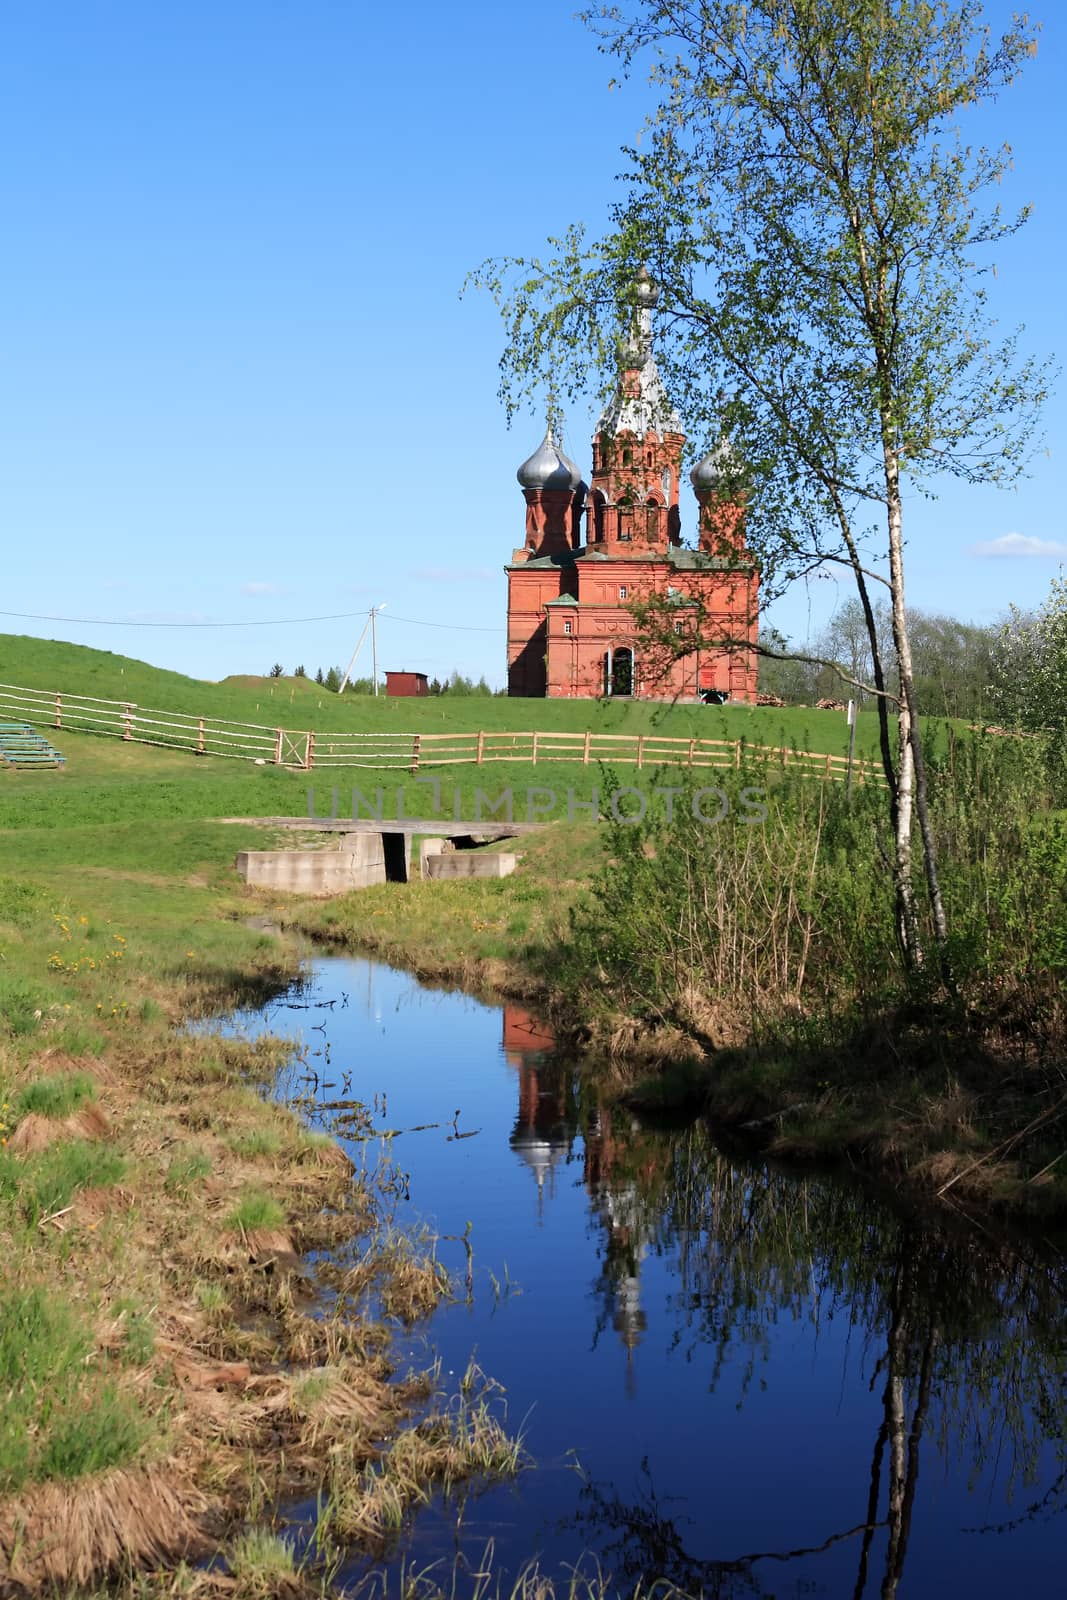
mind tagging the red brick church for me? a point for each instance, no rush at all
(591, 551)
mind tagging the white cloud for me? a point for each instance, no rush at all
(1021, 544)
(260, 588)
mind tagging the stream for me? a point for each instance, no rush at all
(746, 1380)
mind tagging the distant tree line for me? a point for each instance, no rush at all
(330, 680)
(952, 661)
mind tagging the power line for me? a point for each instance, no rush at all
(266, 622)
(453, 627)
(112, 622)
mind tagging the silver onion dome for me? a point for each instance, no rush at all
(646, 292)
(548, 467)
(577, 482)
(719, 463)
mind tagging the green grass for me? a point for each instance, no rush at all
(45, 1183)
(186, 1170)
(260, 1561)
(212, 1297)
(256, 1210)
(300, 703)
(55, 1096)
(264, 1141)
(138, 1341)
(21, 1006)
(61, 1417)
(124, 788)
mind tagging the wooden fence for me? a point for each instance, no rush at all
(307, 750)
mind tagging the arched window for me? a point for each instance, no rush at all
(598, 517)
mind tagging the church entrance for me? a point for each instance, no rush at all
(622, 671)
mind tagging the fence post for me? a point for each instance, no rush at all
(737, 752)
(127, 730)
(481, 745)
(309, 750)
(277, 747)
(585, 751)
(415, 746)
(200, 737)
(535, 748)
(59, 710)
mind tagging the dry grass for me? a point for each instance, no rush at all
(461, 1443)
(402, 1272)
(242, 1390)
(586, 1580)
(69, 1533)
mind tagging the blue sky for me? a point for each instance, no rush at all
(237, 381)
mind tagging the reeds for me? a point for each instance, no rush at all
(455, 1445)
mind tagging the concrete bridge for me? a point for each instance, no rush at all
(370, 851)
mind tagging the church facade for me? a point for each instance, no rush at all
(592, 551)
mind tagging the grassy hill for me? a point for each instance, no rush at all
(299, 703)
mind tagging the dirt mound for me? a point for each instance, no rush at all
(71, 1533)
(92, 1205)
(35, 1132)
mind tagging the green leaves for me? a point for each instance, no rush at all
(1030, 671)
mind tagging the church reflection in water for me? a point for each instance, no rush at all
(550, 1118)
(543, 1135)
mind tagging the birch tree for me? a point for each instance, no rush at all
(820, 231)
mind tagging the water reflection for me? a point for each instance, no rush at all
(964, 1336)
(546, 1122)
(775, 1384)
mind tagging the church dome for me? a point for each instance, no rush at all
(719, 463)
(578, 483)
(548, 467)
(647, 291)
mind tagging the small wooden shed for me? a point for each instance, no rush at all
(406, 683)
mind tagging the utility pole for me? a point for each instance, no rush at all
(359, 645)
(374, 610)
(355, 653)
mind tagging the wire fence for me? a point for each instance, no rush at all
(307, 750)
